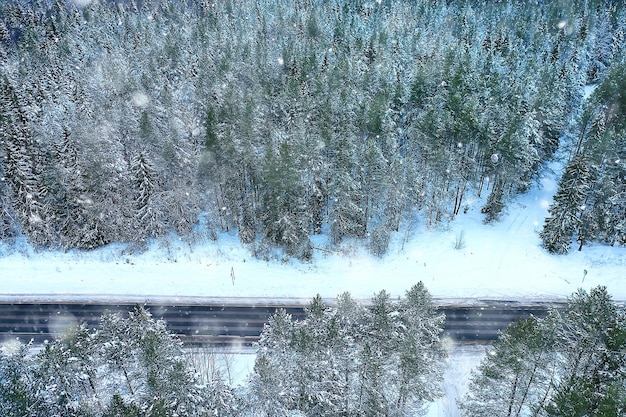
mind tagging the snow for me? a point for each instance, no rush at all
(503, 261)
(462, 360)
(81, 3)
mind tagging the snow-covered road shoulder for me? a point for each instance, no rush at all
(502, 261)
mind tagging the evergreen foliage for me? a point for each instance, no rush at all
(563, 222)
(17, 395)
(383, 359)
(351, 360)
(123, 121)
(569, 364)
(590, 203)
(127, 367)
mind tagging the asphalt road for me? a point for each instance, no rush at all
(227, 323)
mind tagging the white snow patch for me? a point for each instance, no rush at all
(10, 347)
(140, 99)
(588, 90)
(461, 361)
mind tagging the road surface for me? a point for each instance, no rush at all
(235, 323)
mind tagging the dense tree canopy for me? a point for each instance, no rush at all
(128, 366)
(124, 120)
(590, 204)
(385, 360)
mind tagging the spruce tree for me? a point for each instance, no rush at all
(592, 342)
(564, 219)
(351, 360)
(147, 222)
(272, 386)
(283, 209)
(67, 374)
(22, 158)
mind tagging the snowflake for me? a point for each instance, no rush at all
(140, 99)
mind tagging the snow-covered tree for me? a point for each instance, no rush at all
(21, 170)
(367, 113)
(592, 342)
(127, 366)
(145, 364)
(351, 360)
(570, 363)
(17, 393)
(273, 393)
(518, 374)
(564, 219)
(146, 216)
(67, 374)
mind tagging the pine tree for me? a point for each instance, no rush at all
(144, 366)
(67, 373)
(592, 341)
(517, 375)
(347, 215)
(8, 226)
(272, 385)
(350, 360)
(495, 204)
(118, 408)
(283, 205)
(600, 45)
(146, 214)
(421, 351)
(603, 217)
(220, 400)
(568, 364)
(21, 158)
(77, 218)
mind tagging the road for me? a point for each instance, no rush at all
(231, 323)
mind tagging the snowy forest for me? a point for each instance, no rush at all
(384, 359)
(125, 120)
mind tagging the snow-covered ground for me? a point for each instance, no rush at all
(462, 360)
(500, 261)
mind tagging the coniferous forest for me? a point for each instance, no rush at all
(383, 359)
(124, 120)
